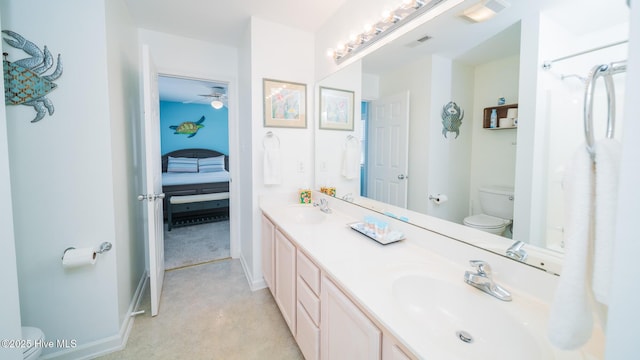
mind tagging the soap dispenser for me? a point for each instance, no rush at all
(494, 119)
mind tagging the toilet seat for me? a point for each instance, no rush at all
(35, 338)
(483, 221)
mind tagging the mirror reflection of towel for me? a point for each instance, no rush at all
(272, 166)
(351, 160)
(571, 315)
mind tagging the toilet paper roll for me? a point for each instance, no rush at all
(440, 198)
(78, 257)
(512, 113)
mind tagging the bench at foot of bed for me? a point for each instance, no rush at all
(190, 203)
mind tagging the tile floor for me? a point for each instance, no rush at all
(208, 312)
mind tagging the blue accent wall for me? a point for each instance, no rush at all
(213, 136)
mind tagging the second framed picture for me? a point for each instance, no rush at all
(336, 109)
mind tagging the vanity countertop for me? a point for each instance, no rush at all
(394, 283)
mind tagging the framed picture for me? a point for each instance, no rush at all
(284, 104)
(336, 109)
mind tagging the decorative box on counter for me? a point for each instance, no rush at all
(304, 196)
(331, 191)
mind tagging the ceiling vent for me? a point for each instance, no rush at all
(420, 41)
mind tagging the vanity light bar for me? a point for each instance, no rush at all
(391, 20)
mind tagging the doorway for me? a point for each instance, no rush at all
(194, 134)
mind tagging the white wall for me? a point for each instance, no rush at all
(282, 53)
(493, 158)
(245, 127)
(9, 301)
(459, 150)
(80, 186)
(624, 317)
(62, 176)
(330, 144)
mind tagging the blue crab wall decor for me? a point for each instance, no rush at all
(452, 116)
(24, 79)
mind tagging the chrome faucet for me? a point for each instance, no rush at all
(483, 280)
(517, 252)
(323, 205)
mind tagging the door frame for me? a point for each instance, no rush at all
(232, 106)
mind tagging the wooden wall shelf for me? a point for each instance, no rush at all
(501, 111)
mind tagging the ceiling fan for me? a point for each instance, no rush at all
(218, 95)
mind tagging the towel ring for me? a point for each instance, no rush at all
(270, 135)
(597, 71)
(351, 139)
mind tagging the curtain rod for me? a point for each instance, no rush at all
(547, 64)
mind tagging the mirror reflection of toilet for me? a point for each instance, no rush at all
(496, 203)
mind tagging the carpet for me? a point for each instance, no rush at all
(196, 244)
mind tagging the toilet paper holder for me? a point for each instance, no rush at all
(438, 199)
(105, 246)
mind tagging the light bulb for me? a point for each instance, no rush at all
(217, 104)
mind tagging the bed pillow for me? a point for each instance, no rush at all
(182, 164)
(211, 164)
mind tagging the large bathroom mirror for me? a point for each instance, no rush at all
(408, 160)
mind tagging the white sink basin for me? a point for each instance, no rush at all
(444, 310)
(305, 214)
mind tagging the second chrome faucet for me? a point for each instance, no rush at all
(483, 280)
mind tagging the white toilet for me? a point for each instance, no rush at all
(35, 338)
(496, 203)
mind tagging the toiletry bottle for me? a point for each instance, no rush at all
(494, 119)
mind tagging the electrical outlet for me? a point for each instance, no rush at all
(323, 166)
(300, 167)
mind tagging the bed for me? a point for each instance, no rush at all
(183, 179)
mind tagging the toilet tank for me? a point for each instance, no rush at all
(497, 201)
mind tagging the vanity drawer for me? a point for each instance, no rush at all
(308, 335)
(309, 272)
(309, 301)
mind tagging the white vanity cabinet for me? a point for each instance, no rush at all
(268, 237)
(392, 351)
(308, 316)
(285, 278)
(325, 322)
(347, 333)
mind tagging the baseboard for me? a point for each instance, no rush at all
(253, 284)
(110, 344)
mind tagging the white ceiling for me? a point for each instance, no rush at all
(224, 21)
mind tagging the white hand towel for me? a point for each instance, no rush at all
(607, 169)
(351, 160)
(272, 167)
(571, 317)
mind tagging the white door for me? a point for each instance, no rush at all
(388, 148)
(153, 196)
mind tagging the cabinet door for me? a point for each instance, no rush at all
(285, 279)
(346, 333)
(268, 232)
